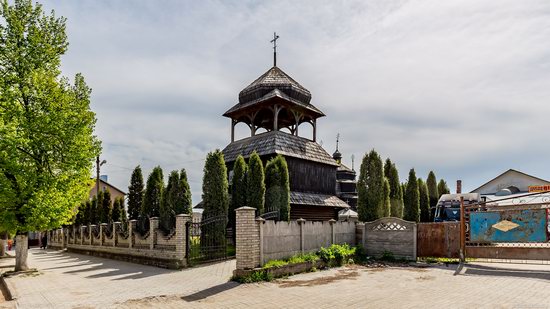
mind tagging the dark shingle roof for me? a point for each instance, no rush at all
(315, 199)
(274, 78)
(273, 94)
(277, 142)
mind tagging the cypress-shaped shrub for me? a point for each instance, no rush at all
(255, 183)
(238, 188)
(424, 200)
(412, 199)
(135, 193)
(370, 202)
(277, 196)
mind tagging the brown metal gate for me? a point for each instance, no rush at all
(439, 239)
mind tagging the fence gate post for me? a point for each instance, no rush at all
(181, 237)
(462, 232)
(247, 245)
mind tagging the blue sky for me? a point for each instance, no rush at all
(458, 87)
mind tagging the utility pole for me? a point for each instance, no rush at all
(98, 166)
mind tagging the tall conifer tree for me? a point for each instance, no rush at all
(371, 187)
(238, 188)
(424, 201)
(412, 199)
(386, 207)
(442, 188)
(135, 193)
(277, 196)
(396, 192)
(433, 194)
(255, 183)
(152, 197)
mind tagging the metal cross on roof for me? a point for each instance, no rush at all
(274, 41)
(337, 140)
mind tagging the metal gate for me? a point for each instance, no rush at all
(514, 228)
(209, 240)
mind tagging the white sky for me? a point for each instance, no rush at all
(458, 87)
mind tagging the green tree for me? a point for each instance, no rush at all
(412, 199)
(424, 201)
(167, 211)
(396, 192)
(123, 214)
(152, 197)
(433, 194)
(255, 183)
(105, 207)
(135, 193)
(238, 189)
(386, 207)
(215, 199)
(93, 210)
(47, 145)
(370, 202)
(277, 196)
(115, 212)
(442, 188)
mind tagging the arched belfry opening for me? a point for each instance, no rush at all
(273, 102)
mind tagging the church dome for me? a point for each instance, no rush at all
(337, 155)
(273, 79)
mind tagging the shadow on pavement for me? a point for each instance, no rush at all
(482, 270)
(210, 291)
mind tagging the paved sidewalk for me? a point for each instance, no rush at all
(76, 281)
(67, 280)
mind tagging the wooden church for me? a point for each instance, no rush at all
(273, 102)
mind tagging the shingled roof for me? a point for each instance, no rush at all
(277, 142)
(315, 199)
(274, 78)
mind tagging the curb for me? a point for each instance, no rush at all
(4, 285)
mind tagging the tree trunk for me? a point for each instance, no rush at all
(21, 252)
(3, 238)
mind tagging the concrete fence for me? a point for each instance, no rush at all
(259, 241)
(112, 241)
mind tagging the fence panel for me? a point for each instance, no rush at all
(441, 239)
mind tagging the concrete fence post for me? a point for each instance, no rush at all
(301, 222)
(260, 222)
(131, 228)
(102, 228)
(153, 226)
(115, 233)
(62, 238)
(360, 234)
(247, 239)
(332, 237)
(91, 234)
(82, 234)
(181, 237)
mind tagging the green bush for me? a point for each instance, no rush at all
(296, 259)
(387, 256)
(257, 276)
(337, 255)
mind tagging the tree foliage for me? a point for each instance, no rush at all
(255, 196)
(175, 200)
(47, 145)
(238, 188)
(433, 194)
(277, 196)
(370, 188)
(104, 209)
(152, 197)
(412, 199)
(424, 201)
(442, 187)
(215, 199)
(396, 192)
(116, 213)
(135, 193)
(386, 207)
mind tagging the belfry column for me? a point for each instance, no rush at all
(314, 130)
(233, 123)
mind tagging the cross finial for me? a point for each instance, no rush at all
(337, 140)
(274, 41)
(352, 162)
